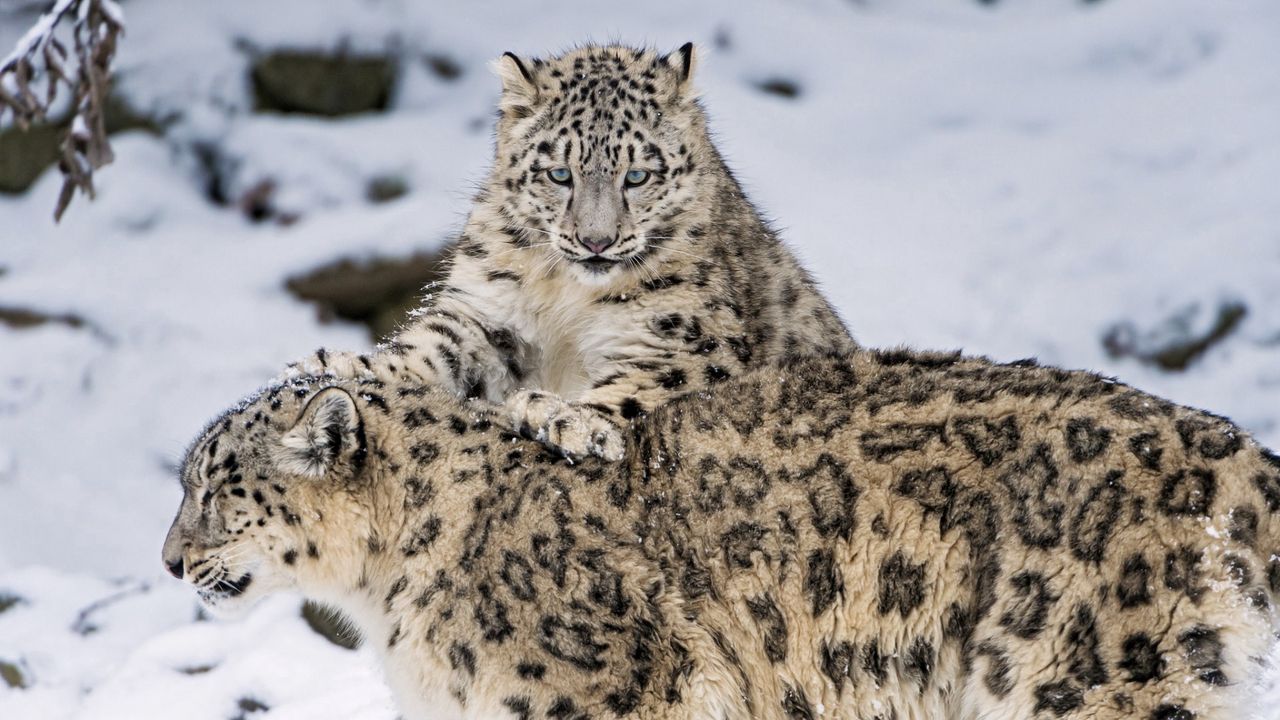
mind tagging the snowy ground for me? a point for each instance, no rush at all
(1012, 181)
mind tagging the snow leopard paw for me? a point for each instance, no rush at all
(573, 430)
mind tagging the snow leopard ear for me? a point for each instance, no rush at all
(682, 61)
(328, 431)
(519, 87)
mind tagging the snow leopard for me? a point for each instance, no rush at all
(885, 534)
(611, 261)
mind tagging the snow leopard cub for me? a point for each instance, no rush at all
(610, 262)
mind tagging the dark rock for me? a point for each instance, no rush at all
(377, 292)
(12, 675)
(8, 600)
(386, 188)
(248, 706)
(23, 318)
(782, 88)
(329, 85)
(1175, 343)
(330, 625)
(443, 67)
(25, 154)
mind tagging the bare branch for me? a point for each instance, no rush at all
(39, 58)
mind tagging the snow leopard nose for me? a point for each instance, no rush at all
(174, 567)
(597, 245)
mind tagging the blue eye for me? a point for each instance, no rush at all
(637, 177)
(560, 176)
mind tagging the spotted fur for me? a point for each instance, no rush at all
(692, 289)
(878, 535)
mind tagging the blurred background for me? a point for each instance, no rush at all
(1092, 183)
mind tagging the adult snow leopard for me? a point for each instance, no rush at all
(882, 535)
(611, 261)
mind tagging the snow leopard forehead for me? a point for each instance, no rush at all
(597, 91)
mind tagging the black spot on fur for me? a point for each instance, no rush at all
(423, 538)
(998, 676)
(773, 628)
(424, 453)
(519, 706)
(672, 379)
(462, 657)
(740, 541)
(1242, 525)
(492, 616)
(1182, 572)
(1086, 439)
(899, 438)
(1203, 649)
(1146, 447)
(1032, 486)
(874, 662)
(1028, 609)
(832, 497)
(1094, 519)
(1134, 587)
(838, 663)
(1172, 712)
(517, 575)
(531, 670)
(919, 662)
(715, 374)
(1187, 492)
(822, 581)
(1269, 486)
(563, 708)
(1212, 440)
(795, 704)
(572, 642)
(631, 408)
(1082, 638)
(1059, 697)
(988, 440)
(900, 585)
(396, 588)
(1140, 658)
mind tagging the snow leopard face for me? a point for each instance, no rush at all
(598, 156)
(237, 536)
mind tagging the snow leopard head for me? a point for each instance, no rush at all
(250, 481)
(599, 154)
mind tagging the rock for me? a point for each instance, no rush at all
(25, 154)
(443, 67)
(385, 188)
(781, 87)
(1176, 342)
(12, 675)
(311, 83)
(23, 318)
(8, 600)
(248, 706)
(330, 625)
(377, 292)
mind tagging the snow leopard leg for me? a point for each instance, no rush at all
(442, 347)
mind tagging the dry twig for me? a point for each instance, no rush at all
(31, 76)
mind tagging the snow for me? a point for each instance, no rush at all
(1012, 180)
